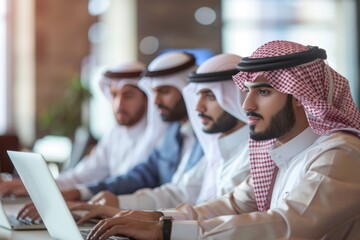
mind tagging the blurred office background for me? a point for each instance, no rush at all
(52, 52)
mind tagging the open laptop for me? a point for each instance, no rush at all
(46, 196)
(10, 222)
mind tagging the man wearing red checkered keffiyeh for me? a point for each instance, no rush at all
(304, 156)
(324, 94)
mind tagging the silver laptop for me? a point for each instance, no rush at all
(46, 196)
(10, 222)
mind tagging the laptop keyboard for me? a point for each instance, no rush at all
(19, 222)
(84, 234)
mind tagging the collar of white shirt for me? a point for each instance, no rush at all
(186, 130)
(285, 152)
(138, 129)
(230, 145)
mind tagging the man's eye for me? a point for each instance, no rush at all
(210, 97)
(263, 91)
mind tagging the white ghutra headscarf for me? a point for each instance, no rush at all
(168, 69)
(215, 74)
(121, 75)
(130, 74)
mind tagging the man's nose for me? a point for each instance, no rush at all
(249, 103)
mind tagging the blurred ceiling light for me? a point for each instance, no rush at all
(149, 45)
(205, 15)
(54, 148)
(98, 7)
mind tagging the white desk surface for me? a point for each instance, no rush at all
(5, 234)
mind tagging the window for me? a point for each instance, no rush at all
(113, 41)
(329, 24)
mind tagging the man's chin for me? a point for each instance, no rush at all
(211, 130)
(205, 130)
(259, 136)
(254, 135)
(164, 117)
(123, 122)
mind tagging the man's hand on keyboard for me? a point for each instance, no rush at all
(123, 226)
(105, 198)
(29, 214)
(93, 211)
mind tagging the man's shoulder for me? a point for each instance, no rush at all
(169, 137)
(173, 127)
(339, 138)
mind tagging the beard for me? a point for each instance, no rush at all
(280, 124)
(177, 113)
(130, 120)
(224, 123)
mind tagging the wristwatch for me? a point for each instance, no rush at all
(166, 222)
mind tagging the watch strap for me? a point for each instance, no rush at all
(166, 222)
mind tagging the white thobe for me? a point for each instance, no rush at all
(316, 196)
(115, 154)
(165, 195)
(233, 168)
(186, 187)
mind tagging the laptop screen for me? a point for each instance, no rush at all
(45, 194)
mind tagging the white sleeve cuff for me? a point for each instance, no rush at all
(177, 215)
(128, 201)
(85, 193)
(184, 230)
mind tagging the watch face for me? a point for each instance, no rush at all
(166, 218)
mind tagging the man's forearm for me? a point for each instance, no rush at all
(70, 195)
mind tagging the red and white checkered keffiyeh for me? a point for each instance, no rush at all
(323, 92)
